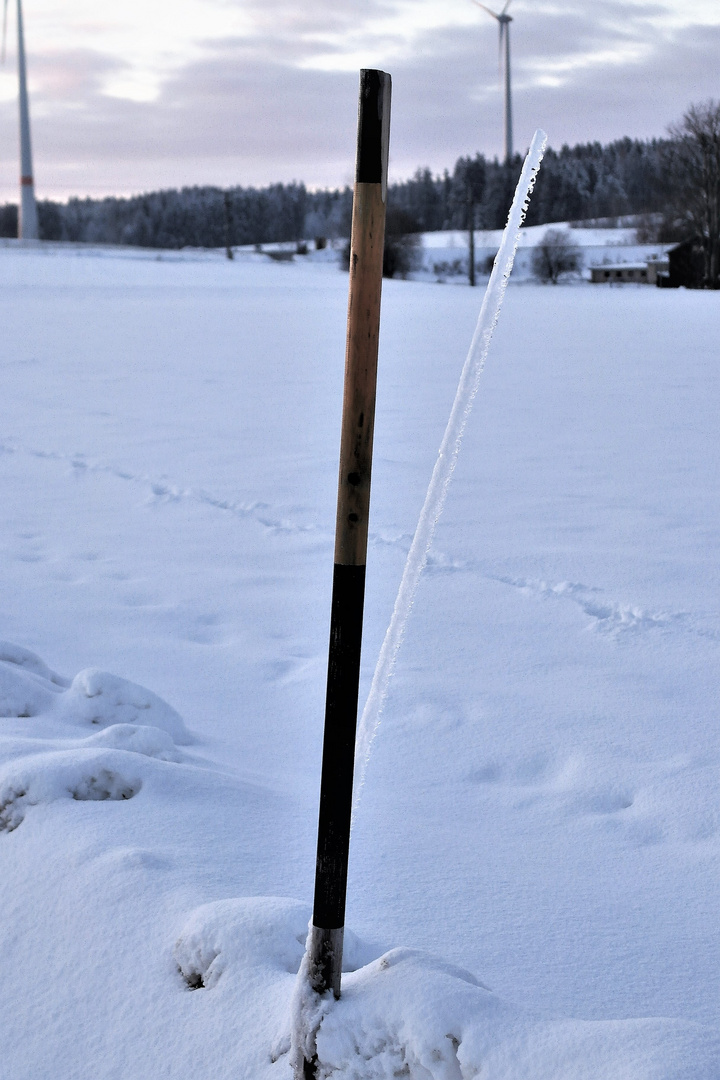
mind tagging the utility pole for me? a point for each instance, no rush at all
(471, 239)
(227, 203)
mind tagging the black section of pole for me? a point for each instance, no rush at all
(370, 162)
(339, 746)
(358, 421)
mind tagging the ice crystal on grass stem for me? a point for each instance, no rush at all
(447, 458)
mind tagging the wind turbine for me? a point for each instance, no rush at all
(27, 218)
(504, 21)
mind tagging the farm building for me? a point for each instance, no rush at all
(686, 266)
(643, 273)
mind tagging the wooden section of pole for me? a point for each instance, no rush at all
(351, 531)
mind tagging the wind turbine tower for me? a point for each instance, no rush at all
(503, 20)
(28, 217)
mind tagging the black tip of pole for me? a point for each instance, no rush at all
(373, 127)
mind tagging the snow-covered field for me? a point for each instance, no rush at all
(541, 814)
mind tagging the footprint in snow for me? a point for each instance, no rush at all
(535, 770)
(609, 617)
(603, 801)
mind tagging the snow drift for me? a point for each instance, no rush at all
(403, 1012)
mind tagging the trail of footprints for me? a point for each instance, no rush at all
(607, 616)
(612, 617)
(162, 490)
(261, 512)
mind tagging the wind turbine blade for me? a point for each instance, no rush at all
(474, 2)
(507, 5)
(503, 31)
(4, 36)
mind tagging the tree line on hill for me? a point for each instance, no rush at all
(580, 182)
(674, 183)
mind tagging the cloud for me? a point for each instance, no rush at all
(277, 101)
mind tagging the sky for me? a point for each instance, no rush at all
(152, 94)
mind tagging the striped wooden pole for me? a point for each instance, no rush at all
(351, 531)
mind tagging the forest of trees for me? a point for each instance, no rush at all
(582, 182)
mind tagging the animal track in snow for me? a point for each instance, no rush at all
(603, 801)
(105, 785)
(609, 617)
(536, 770)
(162, 491)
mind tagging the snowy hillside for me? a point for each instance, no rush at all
(540, 814)
(444, 254)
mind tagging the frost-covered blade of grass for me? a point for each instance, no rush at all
(447, 458)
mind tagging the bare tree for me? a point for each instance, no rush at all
(401, 254)
(555, 255)
(695, 165)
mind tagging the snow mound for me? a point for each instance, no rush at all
(402, 1013)
(29, 688)
(408, 1014)
(27, 685)
(230, 935)
(136, 739)
(96, 697)
(29, 661)
(23, 693)
(82, 775)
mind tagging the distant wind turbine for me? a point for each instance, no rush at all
(27, 218)
(504, 21)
